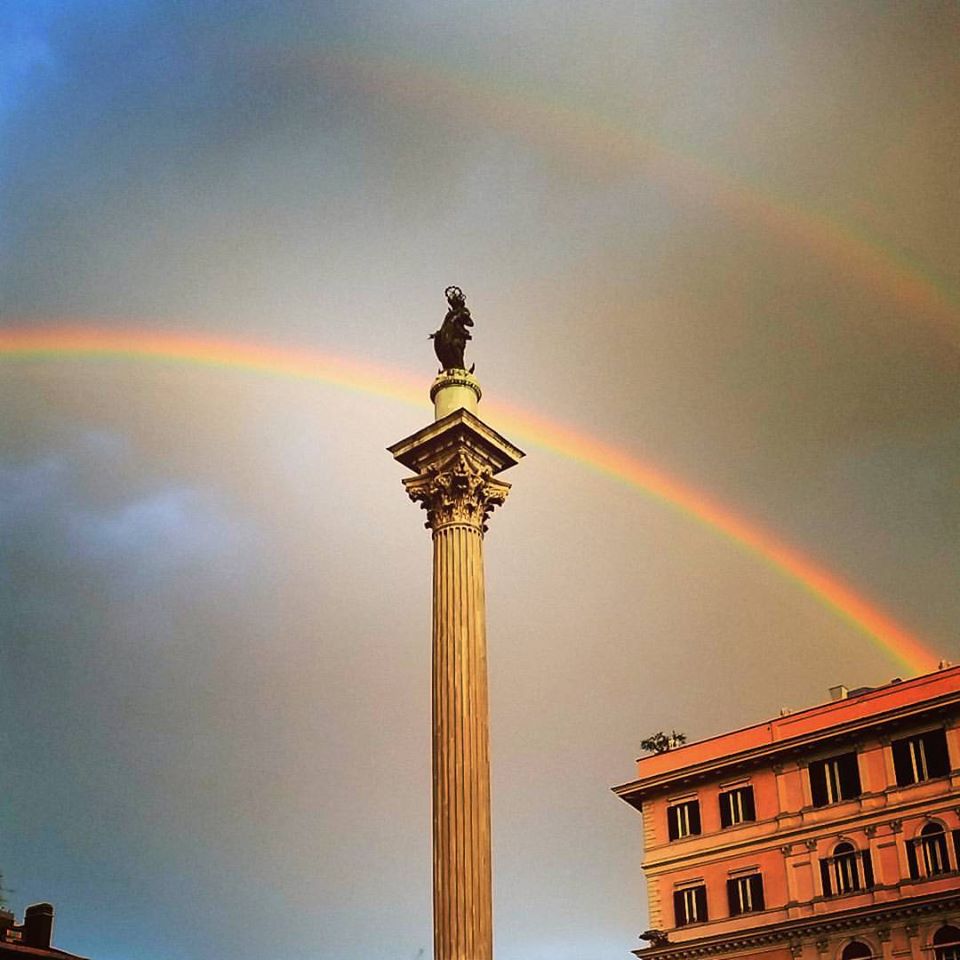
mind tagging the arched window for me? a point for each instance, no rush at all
(856, 950)
(846, 870)
(933, 850)
(946, 944)
(846, 876)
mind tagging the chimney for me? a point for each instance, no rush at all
(838, 693)
(38, 925)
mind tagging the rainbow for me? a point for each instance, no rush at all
(610, 147)
(73, 343)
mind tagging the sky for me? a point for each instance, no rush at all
(718, 238)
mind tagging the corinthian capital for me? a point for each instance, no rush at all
(461, 489)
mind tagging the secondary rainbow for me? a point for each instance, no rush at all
(74, 343)
(613, 147)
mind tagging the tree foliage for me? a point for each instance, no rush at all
(661, 742)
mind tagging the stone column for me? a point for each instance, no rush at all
(455, 460)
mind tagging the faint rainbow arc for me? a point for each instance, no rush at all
(607, 143)
(65, 343)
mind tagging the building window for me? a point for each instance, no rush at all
(835, 779)
(927, 854)
(736, 806)
(683, 819)
(856, 950)
(946, 944)
(745, 894)
(690, 905)
(920, 758)
(846, 870)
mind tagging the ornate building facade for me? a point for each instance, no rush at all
(832, 833)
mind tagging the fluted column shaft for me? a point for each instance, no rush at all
(456, 460)
(463, 926)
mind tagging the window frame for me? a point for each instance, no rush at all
(745, 808)
(829, 782)
(932, 843)
(683, 819)
(859, 870)
(932, 835)
(749, 884)
(948, 947)
(915, 755)
(690, 895)
(846, 869)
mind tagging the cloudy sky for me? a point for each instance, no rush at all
(719, 237)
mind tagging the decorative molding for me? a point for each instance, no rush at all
(822, 944)
(862, 919)
(870, 829)
(862, 727)
(786, 848)
(883, 934)
(461, 489)
(796, 948)
(810, 844)
(895, 826)
(910, 929)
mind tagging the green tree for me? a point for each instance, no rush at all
(661, 742)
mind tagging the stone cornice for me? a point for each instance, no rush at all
(792, 930)
(634, 791)
(460, 430)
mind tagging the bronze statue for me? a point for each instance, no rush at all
(450, 340)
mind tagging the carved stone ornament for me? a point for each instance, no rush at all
(459, 490)
(786, 848)
(810, 844)
(822, 945)
(883, 934)
(870, 829)
(895, 826)
(910, 929)
(656, 938)
(796, 949)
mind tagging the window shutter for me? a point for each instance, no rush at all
(825, 878)
(867, 862)
(726, 809)
(694, 816)
(749, 810)
(756, 884)
(818, 783)
(849, 776)
(673, 824)
(701, 895)
(912, 860)
(732, 899)
(935, 745)
(901, 763)
(679, 914)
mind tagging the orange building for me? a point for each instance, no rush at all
(828, 834)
